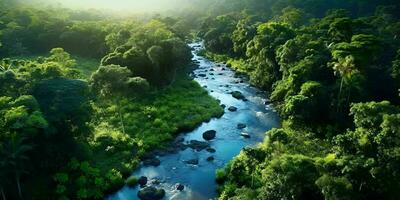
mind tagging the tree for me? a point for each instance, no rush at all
(115, 81)
(341, 30)
(58, 55)
(292, 16)
(14, 155)
(346, 69)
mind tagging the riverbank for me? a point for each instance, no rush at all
(197, 154)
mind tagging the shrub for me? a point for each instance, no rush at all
(131, 181)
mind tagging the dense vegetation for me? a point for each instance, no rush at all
(331, 68)
(71, 129)
(85, 94)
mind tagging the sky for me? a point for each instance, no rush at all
(131, 5)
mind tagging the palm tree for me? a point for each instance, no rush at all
(3, 176)
(15, 156)
(346, 68)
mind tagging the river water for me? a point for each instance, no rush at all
(199, 180)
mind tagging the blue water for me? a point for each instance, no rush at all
(199, 180)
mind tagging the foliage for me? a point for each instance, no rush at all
(325, 72)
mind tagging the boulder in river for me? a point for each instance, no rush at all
(209, 135)
(245, 135)
(211, 158)
(238, 95)
(232, 108)
(211, 70)
(142, 181)
(202, 75)
(179, 187)
(198, 145)
(223, 106)
(211, 150)
(241, 126)
(151, 193)
(193, 161)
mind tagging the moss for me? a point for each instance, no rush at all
(132, 181)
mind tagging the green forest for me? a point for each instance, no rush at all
(86, 93)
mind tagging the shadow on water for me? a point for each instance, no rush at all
(199, 180)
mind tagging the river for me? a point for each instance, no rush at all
(199, 180)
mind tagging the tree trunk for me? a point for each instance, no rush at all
(340, 92)
(348, 96)
(120, 116)
(3, 195)
(17, 179)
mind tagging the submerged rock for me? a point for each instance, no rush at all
(202, 75)
(209, 135)
(241, 126)
(193, 161)
(211, 150)
(211, 158)
(198, 145)
(151, 193)
(232, 108)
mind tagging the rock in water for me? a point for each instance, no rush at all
(194, 161)
(232, 108)
(211, 150)
(151, 193)
(209, 135)
(241, 126)
(211, 158)
(245, 135)
(238, 95)
(142, 181)
(179, 187)
(198, 145)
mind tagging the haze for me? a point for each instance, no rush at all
(131, 5)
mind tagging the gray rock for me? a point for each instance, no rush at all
(194, 161)
(142, 181)
(241, 126)
(179, 187)
(209, 135)
(211, 150)
(232, 108)
(198, 145)
(211, 158)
